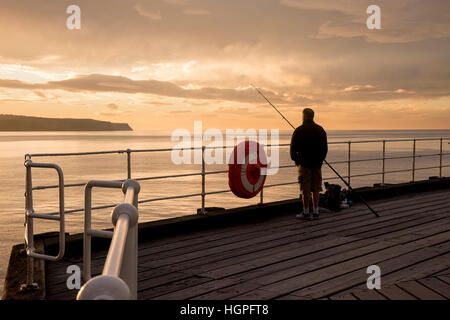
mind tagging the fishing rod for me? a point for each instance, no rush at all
(326, 162)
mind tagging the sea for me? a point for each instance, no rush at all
(80, 169)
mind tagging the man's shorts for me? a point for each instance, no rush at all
(310, 180)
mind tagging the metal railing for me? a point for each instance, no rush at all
(30, 215)
(204, 173)
(118, 280)
(125, 227)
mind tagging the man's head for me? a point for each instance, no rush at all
(308, 114)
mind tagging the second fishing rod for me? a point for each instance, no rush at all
(326, 162)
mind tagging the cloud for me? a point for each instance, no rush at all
(176, 2)
(120, 84)
(150, 14)
(402, 21)
(113, 110)
(112, 106)
(197, 12)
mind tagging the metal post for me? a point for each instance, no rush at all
(384, 162)
(440, 159)
(87, 237)
(130, 256)
(261, 196)
(414, 161)
(203, 180)
(29, 225)
(128, 164)
(349, 162)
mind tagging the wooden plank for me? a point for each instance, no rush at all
(381, 205)
(289, 224)
(419, 270)
(230, 251)
(396, 293)
(446, 279)
(193, 291)
(369, 295)
(437, 285)
(320, 263)
(420, 291)
(170, 287)
(344, 296)
(290, 284)
(293, 298)
(311, 261)
(144, 284)
(229, 292)
(221, 259)
(403, 208)
(328, 261)
(257, 294)
(270, 237)
(445, 272)
(392, 262)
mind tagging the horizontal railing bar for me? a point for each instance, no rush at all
(170, 198)
(266, 186)
(225, 171)
(114, 259)
(35, 155)
(169, 176)
(213, 147)
(101, 233)
(217, 192)
(388, 158)
(55, 186)
(82, 209)
(44, 216)
(388, 140)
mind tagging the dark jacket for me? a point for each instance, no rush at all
(309, 145)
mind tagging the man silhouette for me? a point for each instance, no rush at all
(309, 149)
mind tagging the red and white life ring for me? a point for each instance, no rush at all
(245, 175)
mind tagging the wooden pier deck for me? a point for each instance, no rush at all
(284, 258)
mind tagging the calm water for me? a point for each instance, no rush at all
(14, 145)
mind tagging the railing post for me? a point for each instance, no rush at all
(261, 196)
(130, 257)
(203, 180)
(29, 226)
(384, 162)
(128, 164)
(349, 161)
(414, 161)
(87, 238)
(440, 159)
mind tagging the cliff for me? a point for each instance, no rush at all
(24, 123)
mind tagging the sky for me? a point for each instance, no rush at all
(163, 64)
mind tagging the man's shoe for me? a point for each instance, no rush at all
(315, 216)
(304, 216)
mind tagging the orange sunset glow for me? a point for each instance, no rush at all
(163, 64)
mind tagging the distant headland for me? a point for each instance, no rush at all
(24, 123)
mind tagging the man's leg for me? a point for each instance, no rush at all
(304, 180)
(316, 201)
(306, 198)
(316, 188)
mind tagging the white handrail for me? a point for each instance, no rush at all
(119, 277)
(30, 215)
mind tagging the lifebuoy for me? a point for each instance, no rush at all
(245, 175)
